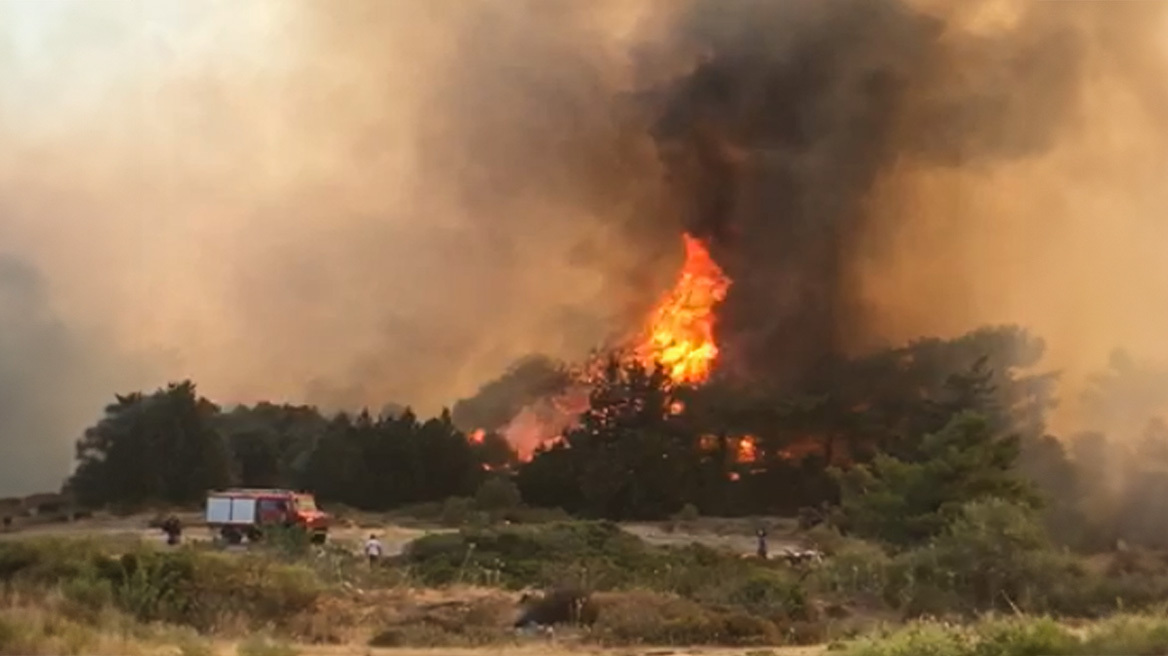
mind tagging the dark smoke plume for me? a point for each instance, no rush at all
(777, 139)
(42, 361)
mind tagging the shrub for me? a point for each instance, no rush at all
(261, 646)
(915, 640)
(688, 513)
(994, 556)
(652, 618)
(770, 594)
(530, 555)
(182, 586)
(290, 541)
(481, 622)
(908, 502)
(855, 569)
(456, 511)
(24, 633)
(1129, 635)
(497, 493)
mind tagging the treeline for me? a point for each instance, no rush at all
(172, 445)
(644, 448)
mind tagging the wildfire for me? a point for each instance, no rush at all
(747, 450)
(680, 333)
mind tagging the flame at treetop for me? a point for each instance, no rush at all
(679, 334)
(681, 329)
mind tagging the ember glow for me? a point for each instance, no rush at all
(680, 334)
(747, 450)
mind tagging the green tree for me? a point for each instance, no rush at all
(384, 462)
(632, 455)
(270, 444)
(497, 493)
(908, 502)
(160, 447)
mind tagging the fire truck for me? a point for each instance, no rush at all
(245, 512)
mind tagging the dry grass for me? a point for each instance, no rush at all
(49, 628)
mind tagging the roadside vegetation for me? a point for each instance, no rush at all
(988, 583)
(946, 516)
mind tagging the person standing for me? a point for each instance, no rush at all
(762, 544)
(373, 550)
(172, 527)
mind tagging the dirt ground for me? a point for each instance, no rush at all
(395, 538)
(732, 535)
(554, 650)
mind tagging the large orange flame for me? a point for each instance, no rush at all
(680, 333)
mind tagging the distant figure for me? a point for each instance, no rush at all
(173, 529)
(373, 550)
(762, 544)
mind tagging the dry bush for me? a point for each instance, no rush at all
(643, 617)
(454, 623)
(45, 628)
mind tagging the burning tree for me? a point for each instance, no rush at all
(630, 456)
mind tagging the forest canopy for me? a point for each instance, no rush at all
(889, 444)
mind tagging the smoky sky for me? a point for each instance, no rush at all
(390, 201)
(795, 111)
(42, 362)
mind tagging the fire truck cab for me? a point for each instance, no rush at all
(245, 512)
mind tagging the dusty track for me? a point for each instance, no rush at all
(728, 535)
(555, 650)
(395, 538)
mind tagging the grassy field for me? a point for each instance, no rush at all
(111, 586)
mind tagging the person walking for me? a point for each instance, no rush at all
(373, 550)
(762, 544)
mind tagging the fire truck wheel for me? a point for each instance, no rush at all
(231, 536)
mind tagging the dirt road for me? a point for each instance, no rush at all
(393, 537)
(556, 650)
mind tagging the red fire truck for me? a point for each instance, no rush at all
(245, 512)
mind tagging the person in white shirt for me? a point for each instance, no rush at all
(373, 549)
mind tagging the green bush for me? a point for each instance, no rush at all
(182, 586)
(688, 513)
(529, 555)
(771, 594)
(290, 541)
(909, 502)
(496, 494)
(855, 569)
(456, 511)
(994, 555)
(1128, 635)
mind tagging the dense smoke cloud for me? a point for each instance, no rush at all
(807, 137)
(42, 361)
(388, 200)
